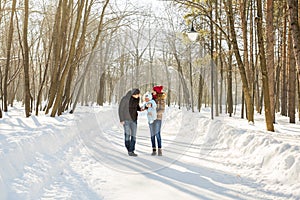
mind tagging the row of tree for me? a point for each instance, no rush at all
(67, 52)
(262, 39)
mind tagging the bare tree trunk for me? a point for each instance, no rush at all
(284, 82)
(57, 49)
(248, 99)
(212, 70)
(221, 82)
(26, 61)
(252, 66)
(191, 79)
(270, 56)
(291, 82)
(111, 86)
(79, 50)
(267, 106)
(200, 92)
(58, 100)
(293, 9)
(91, 57)
(259, 93)
(8, 55)
(100, 98)
(61, 48)
(214, 38)
(104, 75)
(166, 64)
(236, 91)
(243, 105)
(298, 99)
(222, 61)
(39, 96)
(182, 84)
(243, 14)
(229, 75)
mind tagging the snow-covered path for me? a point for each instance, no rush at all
(86, 159)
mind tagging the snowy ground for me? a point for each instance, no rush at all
(82, 156)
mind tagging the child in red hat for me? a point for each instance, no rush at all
(159, 96)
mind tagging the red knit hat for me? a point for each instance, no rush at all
(158, 88)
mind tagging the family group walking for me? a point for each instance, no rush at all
(154, 103)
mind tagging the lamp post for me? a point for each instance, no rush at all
(193, 36)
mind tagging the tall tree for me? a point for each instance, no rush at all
(27, 94)
(270, 55)
(244, 26)
(241, 66)
(229, 74)
(59, 37)
(265, 80)
(8, 55)
(72, 51)
(291, 81)
(78, 54)
(253, 79)
(92, 54)
(293, 14)
(284, 83)
(215, 48)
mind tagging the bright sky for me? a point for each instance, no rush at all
(157, 5)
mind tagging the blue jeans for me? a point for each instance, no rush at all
(130, 128)
(155, 132)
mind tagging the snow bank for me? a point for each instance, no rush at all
(32, 151)
(266, 156)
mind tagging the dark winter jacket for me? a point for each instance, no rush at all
(128, 107)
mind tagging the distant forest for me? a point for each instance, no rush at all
(57, 54)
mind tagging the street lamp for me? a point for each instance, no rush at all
(193, 36)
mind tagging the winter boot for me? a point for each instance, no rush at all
(132, 154)
(153, 152)
(159, 152)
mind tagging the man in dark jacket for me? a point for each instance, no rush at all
(128, 115)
